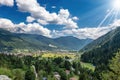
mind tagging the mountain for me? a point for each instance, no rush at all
(102, 50)
(72, 43)
(12, 41)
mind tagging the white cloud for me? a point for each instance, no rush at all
(6, 23)
(75, 18)
(31, 28)
(36, 28)
(64, 13)
(116, 23)
(43, 22)
(84, 33)
(7, 2)
(43, 16)
(30, 19)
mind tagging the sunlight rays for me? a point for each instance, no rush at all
(109, 13)
(111, 16)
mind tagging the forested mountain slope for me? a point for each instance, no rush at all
(102, 49)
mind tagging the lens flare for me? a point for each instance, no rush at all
(116, 4)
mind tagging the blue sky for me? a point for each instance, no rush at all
(83, 9)
(62, 17)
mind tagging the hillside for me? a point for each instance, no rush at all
(11, 41)
(72, 43)
(103, 49)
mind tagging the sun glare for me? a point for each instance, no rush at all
(116, 4)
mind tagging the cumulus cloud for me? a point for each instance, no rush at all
(30, 19)
(43, 22)
(36, 28)
(6, 23)
(44, 17)
(75, 18)
(83, 33)
(7, 2)
(116, 23)
(31, 28)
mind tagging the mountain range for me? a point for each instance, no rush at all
(10, 41)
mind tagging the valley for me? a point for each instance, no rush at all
(44, 65)
(93, 62)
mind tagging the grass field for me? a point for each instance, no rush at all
(88, 65)
(55, 55)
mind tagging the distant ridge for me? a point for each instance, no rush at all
(72, 43)
(11, 41)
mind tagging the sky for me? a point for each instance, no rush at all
(55, 18)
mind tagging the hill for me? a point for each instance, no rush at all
(10, 41)
(102, 50)
(72, 43)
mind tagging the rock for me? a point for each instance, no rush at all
(4, 77)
